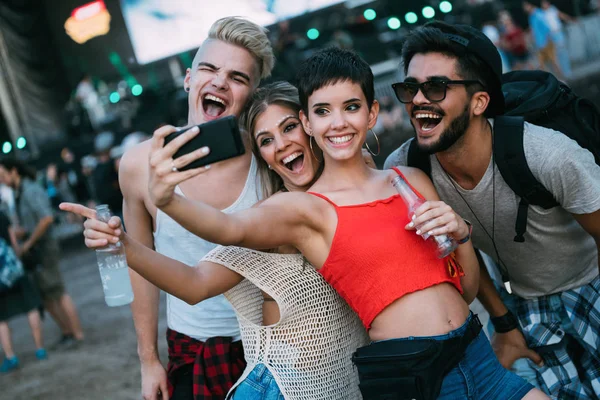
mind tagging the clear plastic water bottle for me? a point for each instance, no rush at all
(444, 243)
(112, 264)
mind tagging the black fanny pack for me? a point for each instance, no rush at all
(410, 369)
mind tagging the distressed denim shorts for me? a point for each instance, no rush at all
(479, 375)
(258, 385)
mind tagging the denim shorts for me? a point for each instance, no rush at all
(479, 375)
(258, 385)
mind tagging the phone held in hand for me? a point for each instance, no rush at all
(221, 136)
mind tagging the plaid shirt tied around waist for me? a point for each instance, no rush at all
(218, 363)
(564, 328)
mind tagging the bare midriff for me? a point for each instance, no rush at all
(434, 311)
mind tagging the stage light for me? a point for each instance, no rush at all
(370, 14)
(393, 23)
(313, 33)
(411, 17)
(136, 90)
(428, 12)
(445, 7)
(21, 143)
(114, 97)
(6, 147)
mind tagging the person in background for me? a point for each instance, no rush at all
(22, 298)
(87, 96)
(542, 39)
(39, 249)
(555, 18)
(52, 185)
(490, 29)
(104, 175)
(71, 172)
(128, 143)
(514, 42)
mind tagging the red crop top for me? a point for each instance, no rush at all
(374, 260)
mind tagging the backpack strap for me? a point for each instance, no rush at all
(510, 158)
(418, 159)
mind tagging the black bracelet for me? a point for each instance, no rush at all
(468, 237)
(505, 323)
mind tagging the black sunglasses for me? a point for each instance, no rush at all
(432, 90)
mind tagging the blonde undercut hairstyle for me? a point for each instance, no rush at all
(243, 33)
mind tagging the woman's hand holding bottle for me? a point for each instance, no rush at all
(97, 234)
(434, 218)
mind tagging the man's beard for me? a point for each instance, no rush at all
(450, 135)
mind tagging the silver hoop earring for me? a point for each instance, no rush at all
(378, 145)
(311, 148)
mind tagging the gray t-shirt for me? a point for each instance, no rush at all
(558, 254)
(33, 205)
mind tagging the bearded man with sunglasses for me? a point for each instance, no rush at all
(452, 92)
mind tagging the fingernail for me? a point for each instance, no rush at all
(195, 129)
(430, 233)
(118, 232)
(207, 166)
(418, 232)
(413, 217)
(115, 239)
(204, 150)
(411, 225)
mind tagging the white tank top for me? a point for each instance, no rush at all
(215, 316)
(309, 351)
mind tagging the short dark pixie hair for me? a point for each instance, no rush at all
(433, 38)
(330, 66)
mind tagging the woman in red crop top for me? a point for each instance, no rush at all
(354, 229)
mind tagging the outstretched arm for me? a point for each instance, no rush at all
(191, 285)
(280, 220)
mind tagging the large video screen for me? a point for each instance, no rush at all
(162, 28)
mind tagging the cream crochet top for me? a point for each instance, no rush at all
(309, 350)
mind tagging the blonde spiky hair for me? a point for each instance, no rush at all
(241, 32)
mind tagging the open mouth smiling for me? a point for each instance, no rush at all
(427, 120)
(213, 106)
(294, 162)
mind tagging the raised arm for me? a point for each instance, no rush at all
(437, 217)
(280, 220)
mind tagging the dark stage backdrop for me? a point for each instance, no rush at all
(33, 76)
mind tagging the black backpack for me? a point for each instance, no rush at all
(539, 98)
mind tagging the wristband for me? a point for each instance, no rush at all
(468, 237)
(505, 323)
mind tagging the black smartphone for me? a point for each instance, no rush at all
(222, 136)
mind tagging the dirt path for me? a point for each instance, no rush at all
(104, 367)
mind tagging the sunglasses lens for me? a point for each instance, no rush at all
(434, 91)
(406, 92)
